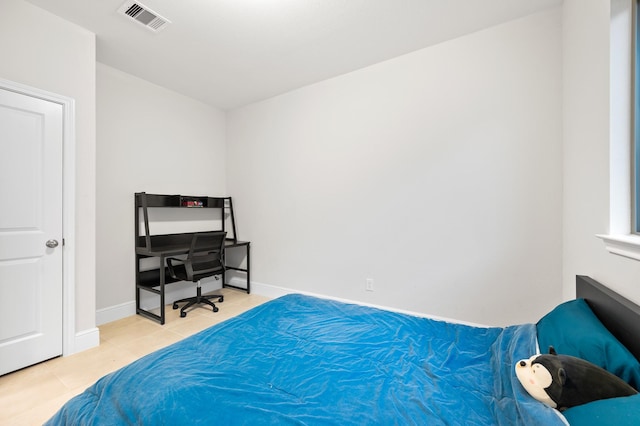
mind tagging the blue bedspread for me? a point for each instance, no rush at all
(302, 360)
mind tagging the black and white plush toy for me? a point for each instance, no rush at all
(563, 381)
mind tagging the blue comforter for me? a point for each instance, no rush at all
(302, 360)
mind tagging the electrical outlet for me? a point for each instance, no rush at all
(368, 284)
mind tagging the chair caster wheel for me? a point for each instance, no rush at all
(175, 306)
(183, 314)
(221, 299)
(215, 309)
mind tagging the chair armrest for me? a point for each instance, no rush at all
(187, 267)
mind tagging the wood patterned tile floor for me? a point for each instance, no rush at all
(32, 395)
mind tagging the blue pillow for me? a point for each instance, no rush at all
(573, 329)
(623, 411)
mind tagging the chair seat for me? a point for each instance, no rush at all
(180, 273)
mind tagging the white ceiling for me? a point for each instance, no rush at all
(229, 53)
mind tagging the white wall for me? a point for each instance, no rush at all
(43, 51)
(587, 144)
(438, 174)
(451, 154)
(154, 140)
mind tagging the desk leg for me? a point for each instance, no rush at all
(248, 268)
(224, 270)
(162, 282)
(137, 283)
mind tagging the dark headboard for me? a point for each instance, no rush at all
(619, 315)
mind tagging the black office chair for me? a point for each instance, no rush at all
(205, 259)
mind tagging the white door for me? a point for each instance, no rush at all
(31, 136)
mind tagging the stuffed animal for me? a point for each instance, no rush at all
(563, 381)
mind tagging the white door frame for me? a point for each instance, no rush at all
(68, 206)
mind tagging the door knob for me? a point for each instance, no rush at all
(52, 243)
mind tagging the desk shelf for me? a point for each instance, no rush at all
(185, 201)
(166, 245)
(151, 278)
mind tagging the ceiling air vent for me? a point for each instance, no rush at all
(143, 15)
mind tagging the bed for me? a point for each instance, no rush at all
(302, 360)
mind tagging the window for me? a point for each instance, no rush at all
(623, 237)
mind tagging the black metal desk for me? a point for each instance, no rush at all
(155, 280)
(166, 245)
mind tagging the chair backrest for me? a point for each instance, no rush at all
(205, 255)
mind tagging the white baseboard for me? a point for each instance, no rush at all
(271, 291)
(86, 339)
(174, 292)
(113, 313)
(274, 292)
(240, 283)
(150, 301)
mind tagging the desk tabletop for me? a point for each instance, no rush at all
(237, 243)
(179, 248)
